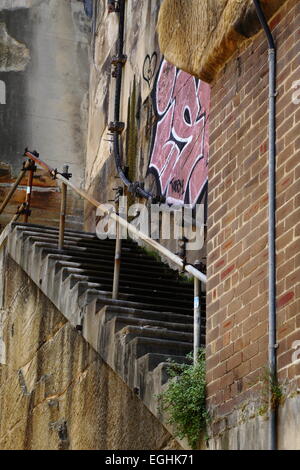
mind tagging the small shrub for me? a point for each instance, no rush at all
(271, 388)
(185, 399)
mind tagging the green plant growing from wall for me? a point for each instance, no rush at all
(184, 400)
(271, 391)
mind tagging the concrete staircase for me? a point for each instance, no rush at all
(150, 323)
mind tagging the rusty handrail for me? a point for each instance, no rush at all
(35, 157)
(199, 277)
(15, 186)
(119, 220)
(131, 228)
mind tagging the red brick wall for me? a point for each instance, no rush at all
(237, 303)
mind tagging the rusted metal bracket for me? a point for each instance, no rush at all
(119, 193)
(116, 126)
(182, 251)
(66, 173)
(23, 209)
(119, 59)
(113, 6)
(117, 62)
(54, 173)
(31, 166)
(200, 266)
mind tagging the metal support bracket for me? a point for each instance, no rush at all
(32, 166)
(116, 126)
(117, 62)
(23, 210)
(182, 251)
(66, 173)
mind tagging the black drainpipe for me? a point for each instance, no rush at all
(117, 127)
(272, 222)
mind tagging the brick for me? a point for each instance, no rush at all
(259, 302)
(284, 359)
(234, 361)
(259, 361)
(219, 371)
(226, 352)
(286, 329)
(283, 300)
(227, 271)
(227, 379)
(250, 351)
(293, 279)
(250, 295)
(259, 331)
(213, 334)
(293, 249)
(242, 370)
(213, 387)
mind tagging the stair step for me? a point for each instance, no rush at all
(125, 275)
(139, 334)
(142, 345)
(103, 253)
(134, 303)
(122, 321)
(41, 229)
(144, 294)
(112, 310)
(151, 360)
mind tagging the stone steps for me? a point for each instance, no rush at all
(149, 325)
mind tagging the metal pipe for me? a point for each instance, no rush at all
(62, 219)
(197, 318)
(14, 187)
(133, 187)
(272, 221)
(63, 208)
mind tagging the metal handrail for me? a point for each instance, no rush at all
(14, 187)
(198, 276)
(114, 216)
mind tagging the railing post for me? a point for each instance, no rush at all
(197, 318)
(63, 208)
(117, 265)
(26, 210)
(118, 250)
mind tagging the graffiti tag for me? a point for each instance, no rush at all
(179, 154)
(149, 67)
(177, 186)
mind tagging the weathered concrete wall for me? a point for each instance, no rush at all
(44, 72)
(55, 391)
(252, 432)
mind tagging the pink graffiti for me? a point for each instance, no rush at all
(180, 149)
